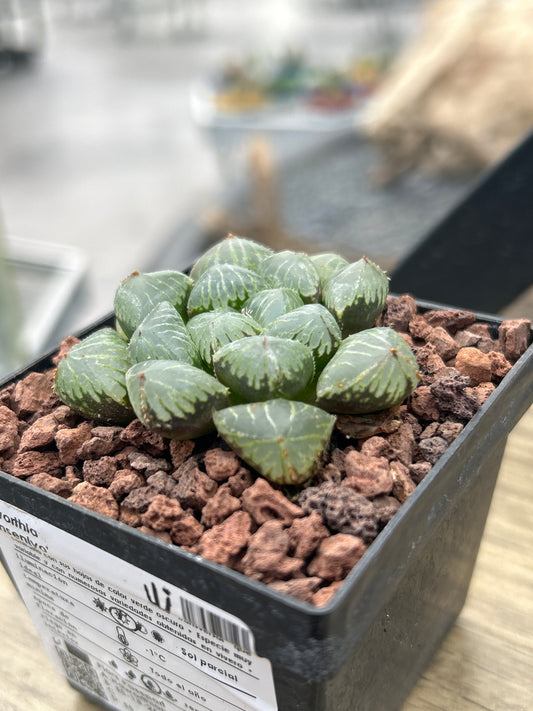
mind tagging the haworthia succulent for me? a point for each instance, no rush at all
(175, 399)
(356, 295)
(283, 440)
(293, 270)
(328, 264)
(223, 285)
(232, 250)
(213, 329)
(91, 378)
(163, 335)
(261, 368)
(268, 304)
(371, 371)
(314, 326)
(139, 294)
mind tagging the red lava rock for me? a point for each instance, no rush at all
(146, 464)
(429, 362)
(377, 447)
(99, 472)
(305, 535)
(467, 339)
(163, 483)
(342, 508)
(267, 556)
(419, 470)
(514, 336)
(240, 481)
(329, 473)
(129, 517)
(482, 392)
(324, 595)
(55, 485)
(403, 485)
(189, 465)
(336, 556)
(123, 456)
(96, 498)
(265, 503)
(369, 476)
(364, 426)
(103, 441)
(221, 464)
(444, 344)
(473, 364)
(9, 436)
(453, 320)
(139, 499)
(31, 392)
(223, 543)
(28, 463)
(162, 513)
(403, 443)
(424, 404)
(386, 507)
(432, 448)
(419, 328)
(222, 505)
(180, 450)
(452, 397)
(69, 440)
(126, 480)
(449, 430)
(499, 365)
(65, 346)
(186, 531)
(399, 312)
(301, 588)
(141, 437)
(162, 535)
(194, 489)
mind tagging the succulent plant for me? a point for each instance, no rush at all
(263, 346)
(91, 378)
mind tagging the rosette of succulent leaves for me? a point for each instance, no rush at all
(267, 347)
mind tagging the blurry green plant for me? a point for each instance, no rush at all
(266, 347)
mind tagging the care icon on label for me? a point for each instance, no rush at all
(129, 656)
(121, 636)
(126, 620)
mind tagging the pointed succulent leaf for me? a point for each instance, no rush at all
(283, 440)
(163, 335)
(174, 399)
(139, 293)
(314, 326)
(293, 270)
(268, 304)
(356, 295)
(232, 250)
(90, 379)
(260, 368)
(371, 371)
(223, 285)
(213, 329)
(328, 264)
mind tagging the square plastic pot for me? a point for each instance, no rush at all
(368, 646)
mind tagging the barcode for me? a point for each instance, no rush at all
(216, 625)
(79, 670)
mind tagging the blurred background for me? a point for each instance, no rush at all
(133, 133)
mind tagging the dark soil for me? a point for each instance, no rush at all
(201, 497)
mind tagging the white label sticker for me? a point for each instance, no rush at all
(126, 636)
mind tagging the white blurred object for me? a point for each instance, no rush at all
(46, 277)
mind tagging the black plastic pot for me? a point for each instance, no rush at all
(368, 646)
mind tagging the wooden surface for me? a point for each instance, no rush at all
(486, 662)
